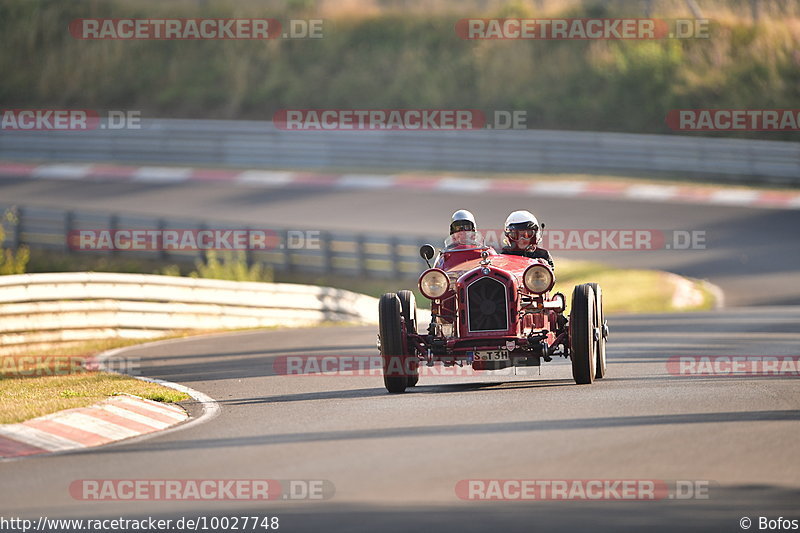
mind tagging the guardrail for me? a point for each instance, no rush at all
(341, 253)
(38, 309)
(262, 145)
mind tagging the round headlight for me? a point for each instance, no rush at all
(433, 283)
(538, 279)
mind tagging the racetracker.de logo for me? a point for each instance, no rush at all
(581, 489)
(734, 119)
(734, 365)
(580, 28)
(379, 119)
(174, 29)
(67, 120)
(560, 240)
(190, 239)
(30, 366)
(372, 366)
(201, 489)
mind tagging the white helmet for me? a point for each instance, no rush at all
(523, 226)
(462, 220)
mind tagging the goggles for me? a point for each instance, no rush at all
(515, 234)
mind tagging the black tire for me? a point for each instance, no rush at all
(581, 334)
(408, 306)
(600, 319)
(391, 332)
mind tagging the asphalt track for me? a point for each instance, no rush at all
(395, 460)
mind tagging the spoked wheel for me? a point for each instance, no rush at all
(408, 307)
(391, 336)
(600, 323)
(581, 334)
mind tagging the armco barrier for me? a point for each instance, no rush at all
(340, 253)
(262, 145)
(79, 306)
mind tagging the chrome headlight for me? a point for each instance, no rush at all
(538, 279)
(433, 283)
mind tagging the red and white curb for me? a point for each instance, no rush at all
(695, 194)
(119, 417)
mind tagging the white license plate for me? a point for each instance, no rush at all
(491, 355)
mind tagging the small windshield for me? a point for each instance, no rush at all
(465, 239)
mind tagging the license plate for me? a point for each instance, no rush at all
(491, 355)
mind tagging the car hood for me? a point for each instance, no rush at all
(513, 264)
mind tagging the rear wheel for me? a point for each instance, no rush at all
(599, 321)
(391, 332)
(408, 307)
(581, 334)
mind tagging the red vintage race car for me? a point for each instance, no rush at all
(490, 311)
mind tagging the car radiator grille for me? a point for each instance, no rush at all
(487, 307)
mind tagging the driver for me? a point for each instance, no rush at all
(522, 237)
(462, 220)
(462, 227)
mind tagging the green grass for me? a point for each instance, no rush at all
(76, 348)
(63, 382)
(399, 59)
(25, 398)
(626, 290)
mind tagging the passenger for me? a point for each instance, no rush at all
(522, 237)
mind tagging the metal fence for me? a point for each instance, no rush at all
(290, 251)
(80, 306)
(262, 145)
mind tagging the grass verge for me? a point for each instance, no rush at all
(23, 398)
(634, 291)
(403, 59)
(42, 383)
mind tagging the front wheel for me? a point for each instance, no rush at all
(391, 334)
(600, 322)
(581, 334)
(408, 307)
